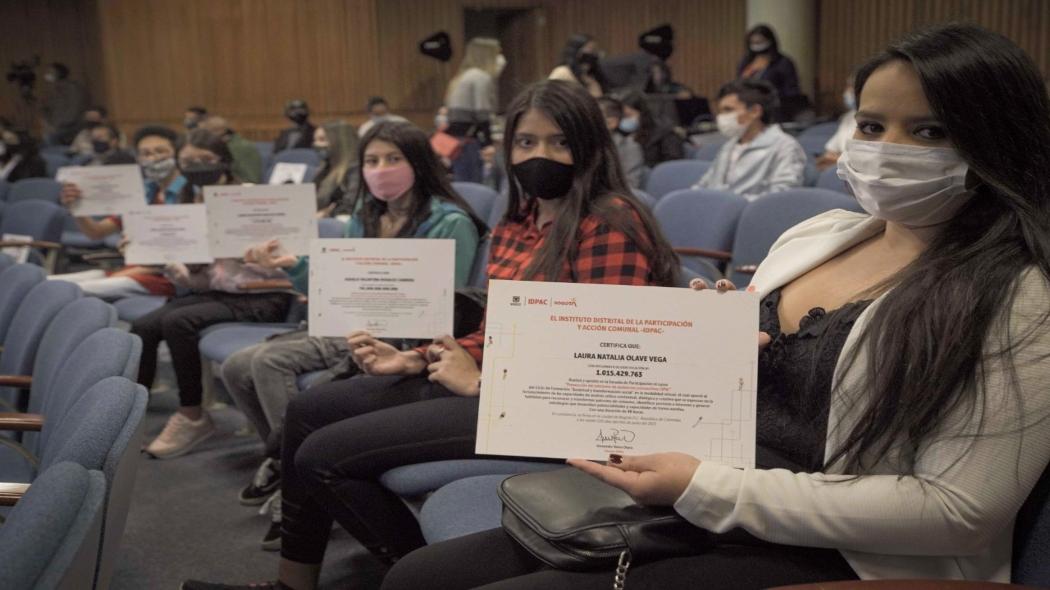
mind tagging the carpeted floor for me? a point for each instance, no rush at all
(185, 521)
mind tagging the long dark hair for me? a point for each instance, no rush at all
(431, 179)
(597, 184)
(926, 342)
(206, 140)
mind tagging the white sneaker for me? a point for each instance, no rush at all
(180, 435)
(272, 540)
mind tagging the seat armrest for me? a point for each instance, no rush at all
(21, 422)
(20, 381)
(704, 253)
(102, 256)
(11, 493)
(33, 244)
(267, 285)
(747, 269)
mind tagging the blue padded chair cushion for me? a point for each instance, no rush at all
(15, 283)
(130, 309)
(71, 326)
(674, 175)
(47, 527)
(410, 481)
(220, 341)
(92, 425)
(106, 353)
(461, 508)
(480, 197)
(77, 239)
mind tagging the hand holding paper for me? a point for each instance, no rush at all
(454, 367)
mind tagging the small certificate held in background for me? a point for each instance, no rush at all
(392, 288)
(288, 173)
(584, 370)
(240, 217)
(106, 190)
(167, 233)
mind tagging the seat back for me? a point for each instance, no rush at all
(329, 227)
(51, 537)
(120, 468)
(765, 218)
(108, 352)
(31, 217)
(15, 283)
(54, 161)
(41, 305)
(499, 209)
(699, 219)
(709, 151)
(480, 197)
(5, 187)
(829, 180)
(43, 189)
(468, 165)
(1032, 537)
(5, 260)
(674, 175)
(645, 198)
(479, 271)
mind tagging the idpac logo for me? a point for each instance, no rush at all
(515, 300)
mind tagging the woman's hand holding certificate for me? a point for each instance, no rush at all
(654, 480)
(453, 367)
(375, 357)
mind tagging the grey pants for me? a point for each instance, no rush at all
(262, 379)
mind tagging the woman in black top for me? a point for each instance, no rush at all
(659, 141)
(763, 60)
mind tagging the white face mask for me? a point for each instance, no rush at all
(760, 47)
(729, 125)
(910, 185)
(501, 62)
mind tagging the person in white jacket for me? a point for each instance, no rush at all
(926, 385)
(759, 158)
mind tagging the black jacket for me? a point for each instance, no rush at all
(305, 138)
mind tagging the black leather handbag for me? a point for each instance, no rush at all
(572, 521)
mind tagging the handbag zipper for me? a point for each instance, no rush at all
(620, 579)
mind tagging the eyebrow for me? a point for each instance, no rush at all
(881, 117)
(533, 135)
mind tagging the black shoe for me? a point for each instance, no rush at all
(266, 481)
(198, 585)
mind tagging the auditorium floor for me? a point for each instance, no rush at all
(185, 521)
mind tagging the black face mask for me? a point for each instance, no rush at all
(99, 147)
(200, 174)
(544, 178)
(298, 116)
(589, 61)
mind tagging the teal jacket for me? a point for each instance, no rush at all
(447, 221)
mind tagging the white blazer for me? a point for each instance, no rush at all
(952, 519)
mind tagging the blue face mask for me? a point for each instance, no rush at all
(629, 125)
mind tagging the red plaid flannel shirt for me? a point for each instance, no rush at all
(604, 256)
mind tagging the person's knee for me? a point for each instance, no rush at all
(179, 323)
(236, 369)
(269, 359)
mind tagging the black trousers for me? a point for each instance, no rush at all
(494, 561)
(180, 322)
(340, 437)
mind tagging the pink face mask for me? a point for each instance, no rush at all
(389, 182)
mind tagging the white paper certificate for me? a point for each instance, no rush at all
(243, 216)
(393, 288)
(288, 173)
(106, 190)
(583, 370)
(167, 233)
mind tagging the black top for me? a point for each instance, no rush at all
(295, 137)
(794, 384)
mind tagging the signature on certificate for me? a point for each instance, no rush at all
(615, 435)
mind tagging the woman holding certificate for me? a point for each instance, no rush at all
(204, 160)
(905, 426)
(571, 218)
(402, 192)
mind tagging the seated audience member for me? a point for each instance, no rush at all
(193, 116)
(579, 64)
(301, 135)
(63, 103)
(403, 193)
(105, 143)
(19, 156)
(247, 163)
(661, 82)
(378, 111)
(759, 157)
(337, 180)
(763, 61)
(155, 146)
(900, 431)
(204, 160)
(82, 145)
(660, 142)
(632, 160)
(847, 126)
(568, 194)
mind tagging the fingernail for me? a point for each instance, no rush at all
(615, 459)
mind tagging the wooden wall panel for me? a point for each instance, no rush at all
(853, 30)
(57, 30)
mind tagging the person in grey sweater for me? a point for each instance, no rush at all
(471, 95)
